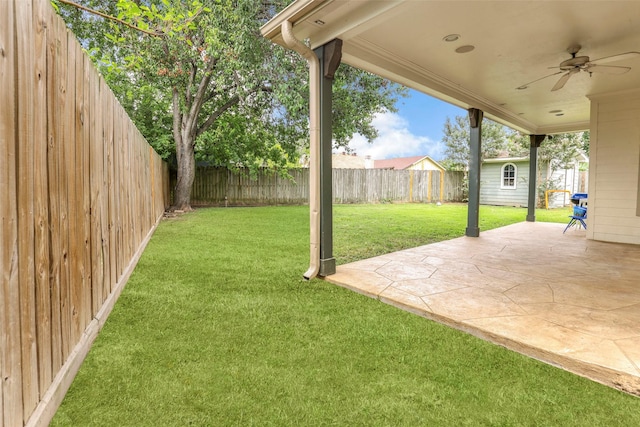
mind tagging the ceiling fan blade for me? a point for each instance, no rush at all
(606, 69)
(613, 58)
(563, 80)
(524, 86)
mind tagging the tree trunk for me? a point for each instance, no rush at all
(184, 137)
(186, 174)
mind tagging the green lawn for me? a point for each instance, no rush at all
(363, 231)
(217, 327)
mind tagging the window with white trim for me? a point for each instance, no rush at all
(509, 174)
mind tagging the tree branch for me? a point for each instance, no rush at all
(199, 96)
(212, 118)
(192, 77)
(212, 94)
(227, 105)
(177, 118)
(112, 18)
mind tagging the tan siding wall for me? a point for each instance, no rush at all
(614, 168)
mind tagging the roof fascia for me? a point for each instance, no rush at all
(293, 13)
(564, 128)
(347, 19)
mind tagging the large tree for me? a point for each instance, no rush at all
(496, 139)
(200, 72)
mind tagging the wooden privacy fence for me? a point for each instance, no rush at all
(80, 193)
(217, 186)
(220, 186)
(389, 185)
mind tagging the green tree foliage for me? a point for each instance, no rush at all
(559, 150)
(201, 83)
(496, 139)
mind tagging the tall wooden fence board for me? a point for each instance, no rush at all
(10, 371)
(41, 197)
(80, 193)
(220, 186)
(25, 193)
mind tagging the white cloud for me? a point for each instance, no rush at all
(395, 140)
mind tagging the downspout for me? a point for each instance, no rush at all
(314, 149)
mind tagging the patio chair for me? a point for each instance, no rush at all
(578, 217)
(579, 199)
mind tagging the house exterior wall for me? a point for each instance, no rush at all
(492, 194)
(614, 208)
(567, 179)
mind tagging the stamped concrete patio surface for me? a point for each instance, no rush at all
(560, 298)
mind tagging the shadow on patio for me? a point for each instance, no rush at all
(560, 298)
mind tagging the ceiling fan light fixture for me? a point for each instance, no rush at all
(575, 64)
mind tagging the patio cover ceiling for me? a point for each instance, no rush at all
(515, 42)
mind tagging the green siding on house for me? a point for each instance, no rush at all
(492, 194)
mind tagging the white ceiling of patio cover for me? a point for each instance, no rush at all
(515, 42)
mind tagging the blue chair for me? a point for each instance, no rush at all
(578, 217)
(579, 199)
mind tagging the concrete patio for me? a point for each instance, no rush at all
(560, 298)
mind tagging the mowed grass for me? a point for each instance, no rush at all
(217, 328)
(364, 231)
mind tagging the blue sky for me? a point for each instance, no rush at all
(415, 130)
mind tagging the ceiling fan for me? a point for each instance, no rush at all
(575, 64)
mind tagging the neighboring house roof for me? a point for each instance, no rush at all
(400, 163)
